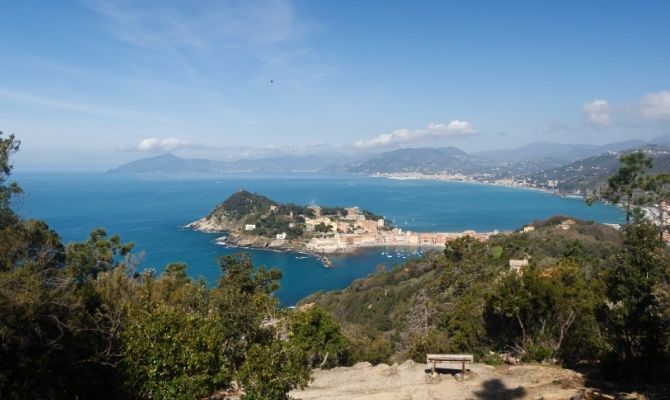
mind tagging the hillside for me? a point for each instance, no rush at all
(252, 220)
(441, 299)
(246, 208)
(560, 152)
(448, 159)
(592, 172)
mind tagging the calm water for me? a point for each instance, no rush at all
(150, 212)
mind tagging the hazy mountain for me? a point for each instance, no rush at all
(592, 172)
(447, 159)
(169, 163)
(661, 140)
(557, 151)
(412, 160)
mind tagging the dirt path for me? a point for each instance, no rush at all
(408, 382)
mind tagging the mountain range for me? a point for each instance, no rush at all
(171, 164)
(573, 166)
(592, 172)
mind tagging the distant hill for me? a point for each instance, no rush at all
(663, 140)
(447, 159)
(592, 172)
(412, 160)
(170, 163)
(558, 152)
(167, 163)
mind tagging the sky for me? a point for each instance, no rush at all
(91, 84)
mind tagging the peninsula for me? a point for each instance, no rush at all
(252, 220)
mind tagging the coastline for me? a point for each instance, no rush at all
(229, 239)
(462, 179)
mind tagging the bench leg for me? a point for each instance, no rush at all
(463, 368)
(433, 371)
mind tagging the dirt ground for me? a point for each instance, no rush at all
(408, 381)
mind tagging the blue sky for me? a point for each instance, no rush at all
(93, 83)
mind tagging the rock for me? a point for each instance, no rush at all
(409, 364)
(362, 364)
(578, 396)
(508, 359)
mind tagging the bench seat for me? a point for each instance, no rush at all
(437, 358)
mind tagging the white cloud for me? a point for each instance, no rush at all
(656, 105)
(157, 144)
(434, 130)
(597, 113)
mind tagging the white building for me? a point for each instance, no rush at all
(281, 236)
(528, 228)
(249, 227)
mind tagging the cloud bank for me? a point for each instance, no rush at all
(156, 144)
(596, 113)
(656, 106)
(652, 108)
(434, 130)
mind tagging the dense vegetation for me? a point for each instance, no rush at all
(77, 321)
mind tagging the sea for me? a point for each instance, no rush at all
(151, 211)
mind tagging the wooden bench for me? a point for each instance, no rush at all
(438, 358)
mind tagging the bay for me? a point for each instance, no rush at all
(151, 211)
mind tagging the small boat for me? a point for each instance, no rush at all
(327, 262)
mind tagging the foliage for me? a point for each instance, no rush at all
(322, 228)
(632, 318)
(171, 353)
(272, 371)
(8, 146)
(538, 312)
(316, 333)
(374, 348)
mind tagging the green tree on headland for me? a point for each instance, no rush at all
(627, 184)
(8, 146)
(633, 318)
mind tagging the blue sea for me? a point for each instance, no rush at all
(151, 211)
